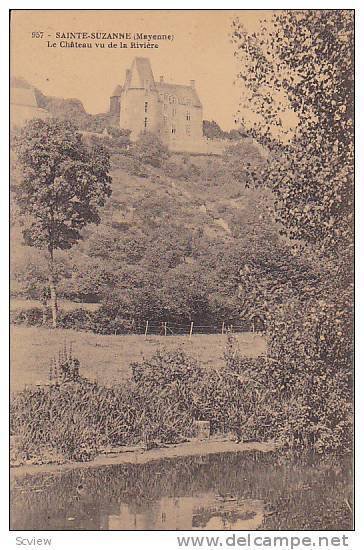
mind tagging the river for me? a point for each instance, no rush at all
(233, 491)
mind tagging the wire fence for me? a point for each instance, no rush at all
(166, 328)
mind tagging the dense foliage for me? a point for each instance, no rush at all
(249, 398)
(169, 249)
(73, 418)
(149, 149)
(301, 92)
(212, 130)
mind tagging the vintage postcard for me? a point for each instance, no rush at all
(181, 315)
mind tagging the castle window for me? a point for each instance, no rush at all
(172, 99)
(188, 115)
(145, 122)
(174, 131)
(174, 111)
(188, 130)
(165, 106)
(146, 107)
(164, 121)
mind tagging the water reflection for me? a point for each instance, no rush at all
(199, 512)
(230, 491)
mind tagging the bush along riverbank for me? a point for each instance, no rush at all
(72, 419)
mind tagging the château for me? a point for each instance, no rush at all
(172, 111)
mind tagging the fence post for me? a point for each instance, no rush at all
(146, 329)
(165, 328)
(223, 327)
(191, 329)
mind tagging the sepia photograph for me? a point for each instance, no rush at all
(181, 270)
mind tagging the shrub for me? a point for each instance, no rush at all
(34, 316)
(77, 319)
(70, 418)
(309, 373)
(182, 391)
(65, 367)
(166, 388)
(305, 406)
(107, 320)
(149, 149)
(75, 418)
(120, 137)
(181, 170)
(137, 168)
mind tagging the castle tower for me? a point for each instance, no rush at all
(139, 109)
(172, 111)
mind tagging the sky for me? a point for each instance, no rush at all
(201, 50)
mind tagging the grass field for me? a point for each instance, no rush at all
(107, 358)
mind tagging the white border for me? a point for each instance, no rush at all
(165, 540)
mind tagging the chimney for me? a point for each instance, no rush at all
(161, 79)
(192, 84)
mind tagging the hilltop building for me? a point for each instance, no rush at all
(172, 111)
(24, 106)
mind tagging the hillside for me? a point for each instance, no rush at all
(172, 242)
(175, 241)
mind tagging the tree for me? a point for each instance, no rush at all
(185, 294)
(89, 279)
(298, 76)
(241, 160)
(301, 90)
(212, 130)
(149, 149)
(63, 186)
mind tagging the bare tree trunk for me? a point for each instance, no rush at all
(44, 313)
(44, 302)
(53, 289)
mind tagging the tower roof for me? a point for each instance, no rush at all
(140, 73)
